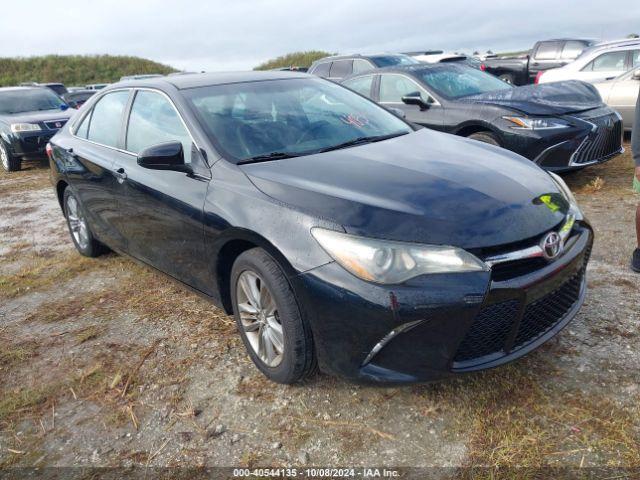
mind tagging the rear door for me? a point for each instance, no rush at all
(92, 153)
(165, 227)
(393, 86)
(623, 97)
(545, 56)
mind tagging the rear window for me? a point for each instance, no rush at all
(548, 51)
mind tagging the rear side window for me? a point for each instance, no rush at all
(548, 51)
(572, 50)
(322, 69)
(608, 62)
(362, 85)
(341, 68)
(154, 120)
(106, 119)
(635, 55)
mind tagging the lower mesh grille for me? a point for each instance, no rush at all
(489, 331)
(606, 142)
(491, 328)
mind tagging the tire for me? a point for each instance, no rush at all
(79, 230)
(485, 137)
(9, 162)
(278, 322)
(507, 77)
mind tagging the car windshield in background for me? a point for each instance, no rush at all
(382, 61)
(457, 81)
(31, 100)
(258, 121)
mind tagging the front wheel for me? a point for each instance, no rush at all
(485, 137)
(81, 234)
(10, 162)
(270, 322)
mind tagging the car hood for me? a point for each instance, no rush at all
(556, 98)
(38, 116)
(426, 187)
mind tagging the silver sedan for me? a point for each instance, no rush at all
(621, 93)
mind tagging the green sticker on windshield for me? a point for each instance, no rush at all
(548, 201)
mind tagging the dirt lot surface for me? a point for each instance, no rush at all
(105, 363)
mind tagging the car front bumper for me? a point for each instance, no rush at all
(436, 326)
(30, 144)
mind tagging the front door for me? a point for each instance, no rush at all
(165, 227)
(394, 86)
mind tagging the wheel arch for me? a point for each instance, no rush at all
(61, 186)
(469, 128)
(228, 248)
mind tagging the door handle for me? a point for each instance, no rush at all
(120, 174)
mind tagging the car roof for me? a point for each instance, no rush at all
(195, 80)
(21, 88)
(360, 55)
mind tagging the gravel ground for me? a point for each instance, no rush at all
(105, 363)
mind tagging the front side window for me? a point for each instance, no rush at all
(394, 87)
(289, 116)
(106, 119)
(21, 100)
(83, 129)
(362, 85)
(608, 62)
(360, 65)
(635, 56)
(547, 51)
(154, 120)
(457, 81)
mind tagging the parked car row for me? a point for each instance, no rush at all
(338, 234)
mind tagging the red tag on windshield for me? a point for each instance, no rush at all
(355, 120)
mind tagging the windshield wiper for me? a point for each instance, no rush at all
(362, 141)
(268, 156)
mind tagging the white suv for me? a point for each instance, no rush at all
(601, 62)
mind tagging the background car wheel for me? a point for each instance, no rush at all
(81, 234)
(10, 162)
(507, 78)
(272, 327)
(486, 137)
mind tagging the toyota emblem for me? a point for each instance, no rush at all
(551, 245)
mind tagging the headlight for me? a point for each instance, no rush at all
(25, 127)
(527, 123)
(389, 262)
(566, 191)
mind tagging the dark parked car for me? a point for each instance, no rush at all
(29, 117)
(331, 229)
(58, 88)
(543, 56)
(339, 67)
(77, 98)
(559, 126)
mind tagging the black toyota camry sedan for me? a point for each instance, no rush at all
(337, 234)
(559, 126)
(29, 117)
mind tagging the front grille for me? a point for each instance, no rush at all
(55, 124)
(517, 268)
(606, 141)
(496, 323)
(37, 140)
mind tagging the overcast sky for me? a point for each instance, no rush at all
(239, 34)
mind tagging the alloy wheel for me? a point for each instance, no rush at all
(77, 222)
(4, 157)
(259, 317)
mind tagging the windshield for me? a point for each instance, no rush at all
(291, 117)
(392, 60)
(457, 81)
(28, 100)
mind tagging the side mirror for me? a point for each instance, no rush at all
(414, 98)
(164, 156)
(636, 75)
